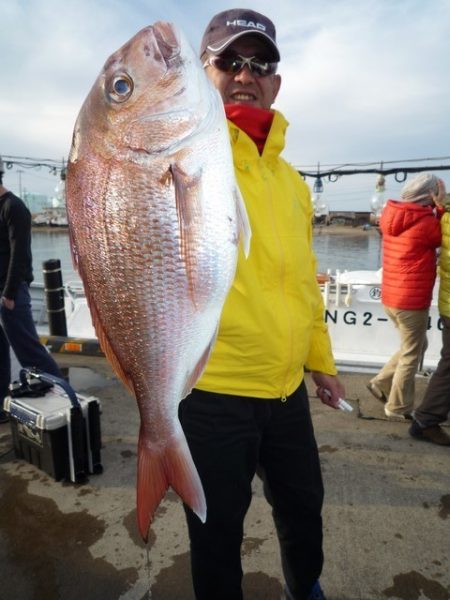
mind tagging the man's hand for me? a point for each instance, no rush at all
(329, 388)
(8, 303)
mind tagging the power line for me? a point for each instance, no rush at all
(54, 166)
(400, 172)
(377, 162)
(331, 171)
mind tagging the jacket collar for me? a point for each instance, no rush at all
(245, 147)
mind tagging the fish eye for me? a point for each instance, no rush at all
(121, 88)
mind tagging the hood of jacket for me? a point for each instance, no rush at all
(398, 217)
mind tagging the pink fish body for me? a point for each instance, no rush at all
(155, 219)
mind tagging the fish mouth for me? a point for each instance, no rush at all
(167, 41)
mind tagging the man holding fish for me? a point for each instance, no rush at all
(249, 412)
(156, 220)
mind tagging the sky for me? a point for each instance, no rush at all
(363, 81)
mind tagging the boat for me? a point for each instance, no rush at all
(363, 338)
(51, 217)
(362, 335)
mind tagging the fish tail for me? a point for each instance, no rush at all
(157, 470)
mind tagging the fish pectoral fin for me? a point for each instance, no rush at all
(186, 195)
(187, 199)
(245, 231)
(157, 470)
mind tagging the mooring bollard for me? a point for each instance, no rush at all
(54, 297)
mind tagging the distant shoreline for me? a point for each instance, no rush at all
(317, 229)
(50, 228)
(344, 230)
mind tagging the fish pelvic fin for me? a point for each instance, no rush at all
(245, 231)
(157, 470)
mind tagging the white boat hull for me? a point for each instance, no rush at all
(363, 338)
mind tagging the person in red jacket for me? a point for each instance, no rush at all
(411, 235)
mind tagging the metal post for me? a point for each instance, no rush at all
(54, 297)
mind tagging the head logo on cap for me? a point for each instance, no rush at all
(246, 24)
(228, 26)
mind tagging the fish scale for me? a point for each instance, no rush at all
(155, 218)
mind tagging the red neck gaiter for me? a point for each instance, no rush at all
(256, 122)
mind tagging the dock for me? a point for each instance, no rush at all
(386, 513)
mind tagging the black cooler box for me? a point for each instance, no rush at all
(54, 428)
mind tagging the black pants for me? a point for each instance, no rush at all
(17, 329)
(230, 438)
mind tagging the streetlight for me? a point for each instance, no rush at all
(321, 210)
(377, 201)
(59, 198)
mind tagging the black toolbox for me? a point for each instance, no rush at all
(54, 428)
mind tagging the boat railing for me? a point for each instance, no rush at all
(340, 288)
(38, 305)
(74, 289)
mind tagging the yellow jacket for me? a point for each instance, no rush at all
(272, 323)
(444, 266)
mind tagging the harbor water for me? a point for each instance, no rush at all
(344, 249)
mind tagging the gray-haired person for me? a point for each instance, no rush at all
(411, 234)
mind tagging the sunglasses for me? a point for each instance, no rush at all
(234, 64)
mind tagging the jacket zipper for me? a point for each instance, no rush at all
(282, 275)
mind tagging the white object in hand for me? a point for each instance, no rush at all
(341, 403)
(345, 406)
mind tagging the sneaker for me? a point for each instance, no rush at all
(400, 416)
(316, 592)
(4, 417)
(376, 392)
(434, 434)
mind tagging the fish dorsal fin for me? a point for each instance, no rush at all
(188, 205)
(73, 250)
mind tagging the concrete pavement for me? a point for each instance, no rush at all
(386, 514)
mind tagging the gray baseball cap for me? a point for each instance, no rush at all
(229, 25)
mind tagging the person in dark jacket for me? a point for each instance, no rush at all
(17, 328)
(411, 235)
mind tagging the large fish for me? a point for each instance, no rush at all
(155, 220)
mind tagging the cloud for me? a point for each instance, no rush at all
(361, 81)
(366, 83)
